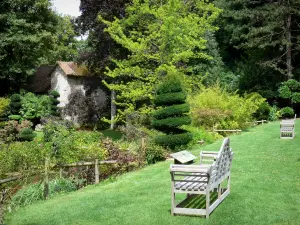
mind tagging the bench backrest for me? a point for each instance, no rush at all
(222, 164)
(289, 120)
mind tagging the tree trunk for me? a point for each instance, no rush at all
(289, 47)
(113, 109)
(46, 178)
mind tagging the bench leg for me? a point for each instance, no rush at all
(172, 200)
(228, 183)
(207, 203)
(219, 191)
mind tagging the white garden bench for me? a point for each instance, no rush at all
(287, 128)
(196, 180)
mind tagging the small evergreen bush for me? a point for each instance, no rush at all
(26, 134)
(172, 114)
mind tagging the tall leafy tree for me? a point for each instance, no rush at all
(100, 47)
(26, 38)
(161, 37)
(66, 45)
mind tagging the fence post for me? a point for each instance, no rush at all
(97, 174)
(143, 144)
(61, 173)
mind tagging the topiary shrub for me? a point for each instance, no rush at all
(172, 114)
(287, 112)
(263, 112)
(15, 106)
(26, 134)
(54, 95)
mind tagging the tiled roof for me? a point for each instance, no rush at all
(72, 69)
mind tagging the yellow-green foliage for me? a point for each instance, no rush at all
(215, 107)
(4, 103)
(161, 37)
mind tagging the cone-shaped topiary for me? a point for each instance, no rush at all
(15, 104)
(14, 107)
(54, 95)
(172, 114)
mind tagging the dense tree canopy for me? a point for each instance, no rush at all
(100, 46)
(31, 34)
(66, 47)
(262, 37)
(26, 37)
(161, 37)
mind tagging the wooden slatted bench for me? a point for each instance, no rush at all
(195, 180)
(287, 128)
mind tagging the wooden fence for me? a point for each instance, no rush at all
(4, 191)
(96, 163)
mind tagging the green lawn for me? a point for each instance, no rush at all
(265, 189)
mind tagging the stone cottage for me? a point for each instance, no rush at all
(83, 98)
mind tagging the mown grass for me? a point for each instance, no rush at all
(265, 189)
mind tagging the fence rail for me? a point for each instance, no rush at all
(7, 180)
(95, 163)
(88, 163)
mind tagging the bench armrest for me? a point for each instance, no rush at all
(209, 152)
(208, 156)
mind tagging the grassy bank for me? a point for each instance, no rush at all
(265, 187)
